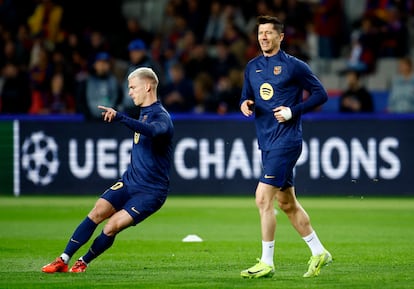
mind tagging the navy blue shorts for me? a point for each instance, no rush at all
(278, 166)
(140, 205)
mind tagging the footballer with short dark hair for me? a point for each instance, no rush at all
(273, 92)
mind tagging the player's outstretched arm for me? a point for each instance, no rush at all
(108, 113)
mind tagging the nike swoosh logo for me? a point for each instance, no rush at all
(135, 210)
(74, 241)
(269, 177)
(254, 272)
(259, 70)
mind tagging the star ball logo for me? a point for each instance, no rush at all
(40, 158)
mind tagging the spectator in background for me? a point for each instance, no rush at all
(168, 19)
(185, 45)
(205, 101)
(215, 26)
(44, 66)
(297, 15)
(72, 43)
(196, 17)
(138, 57)
(45, 22)
(76, 65)
(221, 15)
(136, 31)
(279, 9)
(365, 41)
(401, 97)
(11, 54)
(177, 95)
(310, 44)
(394, 33)
(101, 87)
(177, 32)
(355, 98)
(252, 49)
(228, 89)
(133, 30)
(198, 61)
(95, 42)
(58, 99)
(328, 19)
(233, 14)
(261, 7)
(40, 72)
(58, 62)
(236, 41)
(224, 60)
(23, 44)
(15, 95)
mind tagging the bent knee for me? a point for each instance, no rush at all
(287, 207)
(118, 222)
(111, 229)
(102, 210)
(96, 216)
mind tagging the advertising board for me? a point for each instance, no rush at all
(218, 157)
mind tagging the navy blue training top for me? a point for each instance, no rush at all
(275, 81)
(151, 153)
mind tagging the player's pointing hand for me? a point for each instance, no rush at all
(108, 113)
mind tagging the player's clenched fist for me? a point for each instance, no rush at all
(108, 113)
(247, 107)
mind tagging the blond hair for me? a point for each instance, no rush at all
(145, 73)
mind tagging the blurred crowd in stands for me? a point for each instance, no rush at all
(68, 56)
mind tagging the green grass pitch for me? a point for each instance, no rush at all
(371, 240)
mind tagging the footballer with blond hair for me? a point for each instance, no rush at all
(143, 187)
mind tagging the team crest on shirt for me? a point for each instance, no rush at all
(136, 137)
(266, 91)
(277, 70)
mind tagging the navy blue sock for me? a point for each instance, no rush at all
(101, 243)
(81, 235)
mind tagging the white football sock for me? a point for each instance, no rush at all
(65, 258)
(268, 249)
(314, 244)
(81, 258)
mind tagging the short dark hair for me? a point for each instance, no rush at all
(357, 73)
(264, 19)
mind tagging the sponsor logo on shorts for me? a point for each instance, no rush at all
(135, 210)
